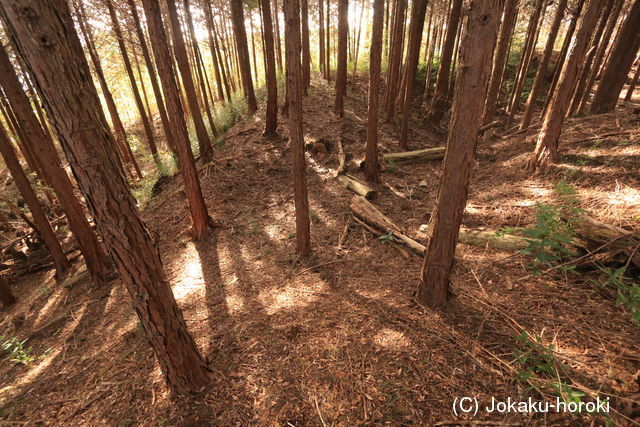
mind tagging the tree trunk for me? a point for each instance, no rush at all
(42, 146)
(599, 58)
(152, 75)
(208, 18)
(341, 71)
(328, 51)
(306, 50)
(588, 61)
(632, 85)
(395, 60)
(201, 73)
(294, 98)
(415, 38)
(542, 66)
(6, 296)
(180, 52)
(568, 37)
(200, 220)
(321, 40)
(276, 20)
(120, 133)
(547, 143)
(56, 61)
(357, 40)
(227, 78)
(371, 162)
(237, 17)
(132, 80)
(439, 102)
(509, 19)
(60, 261)
(466, 120)
(533, 32)
(616, 70)
(271, 120)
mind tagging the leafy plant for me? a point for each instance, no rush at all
(387, 237)
(628, 292)
(18, 352)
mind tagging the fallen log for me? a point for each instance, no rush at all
(356, 185)
(623, 243)
(415, 156)
(372, 215)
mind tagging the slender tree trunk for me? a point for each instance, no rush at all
(525, 61)
(227, 78)
(395, 60)
(33, 164)
(599, 57)
(509, 19)
(73, 107)
(563, 55)
(120, 133)
(132, 80)
(542, 66)
(213, 49)
(632, 85)
(237, 17)
(271, 121)
(294, 98)
(306, 49)
(466, 119)
(357, 48)
(60, 260)
(200, 220)
(588, 61)
(439, 102)
(616, 70)
(321, 41)
(276, 20)
(371, 163)
(328, 50)
(180, 52)
(341, 72)
(432, 49)
(547, 142)
(415, 39)
(42, 146)
(6, 296)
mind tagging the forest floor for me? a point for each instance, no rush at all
(337, 339)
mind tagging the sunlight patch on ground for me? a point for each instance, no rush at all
(624, 196)
(35, 369)
(233, 297)
(188, 278)
(391, 340)
(52, 301)
(297, 295)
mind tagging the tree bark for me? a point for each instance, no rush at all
(616, 70)
(395, 60)
(208, 19)
(6, 296)
(294, 99)
(547, 143)
(276, 20)
(542, 66)
(180, 52)
(306, 50)
(357, 40)
(341, 71)
(632, 85)
(271, 120)
(132, 80)
(54, 57)
(439, 102)
(120, 133)
(466, 120)
(43, 147)
(328, 51)
(200, 220)
(415, 38)
(237, 17)
(371, 162)
(321, 41)
(533, 32)
(509, 19)
(60, 261)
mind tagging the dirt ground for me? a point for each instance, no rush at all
(337, 339)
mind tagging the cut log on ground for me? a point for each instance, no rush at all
(624, 244)
(356, 185)
(416, 156)
(372, 216)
